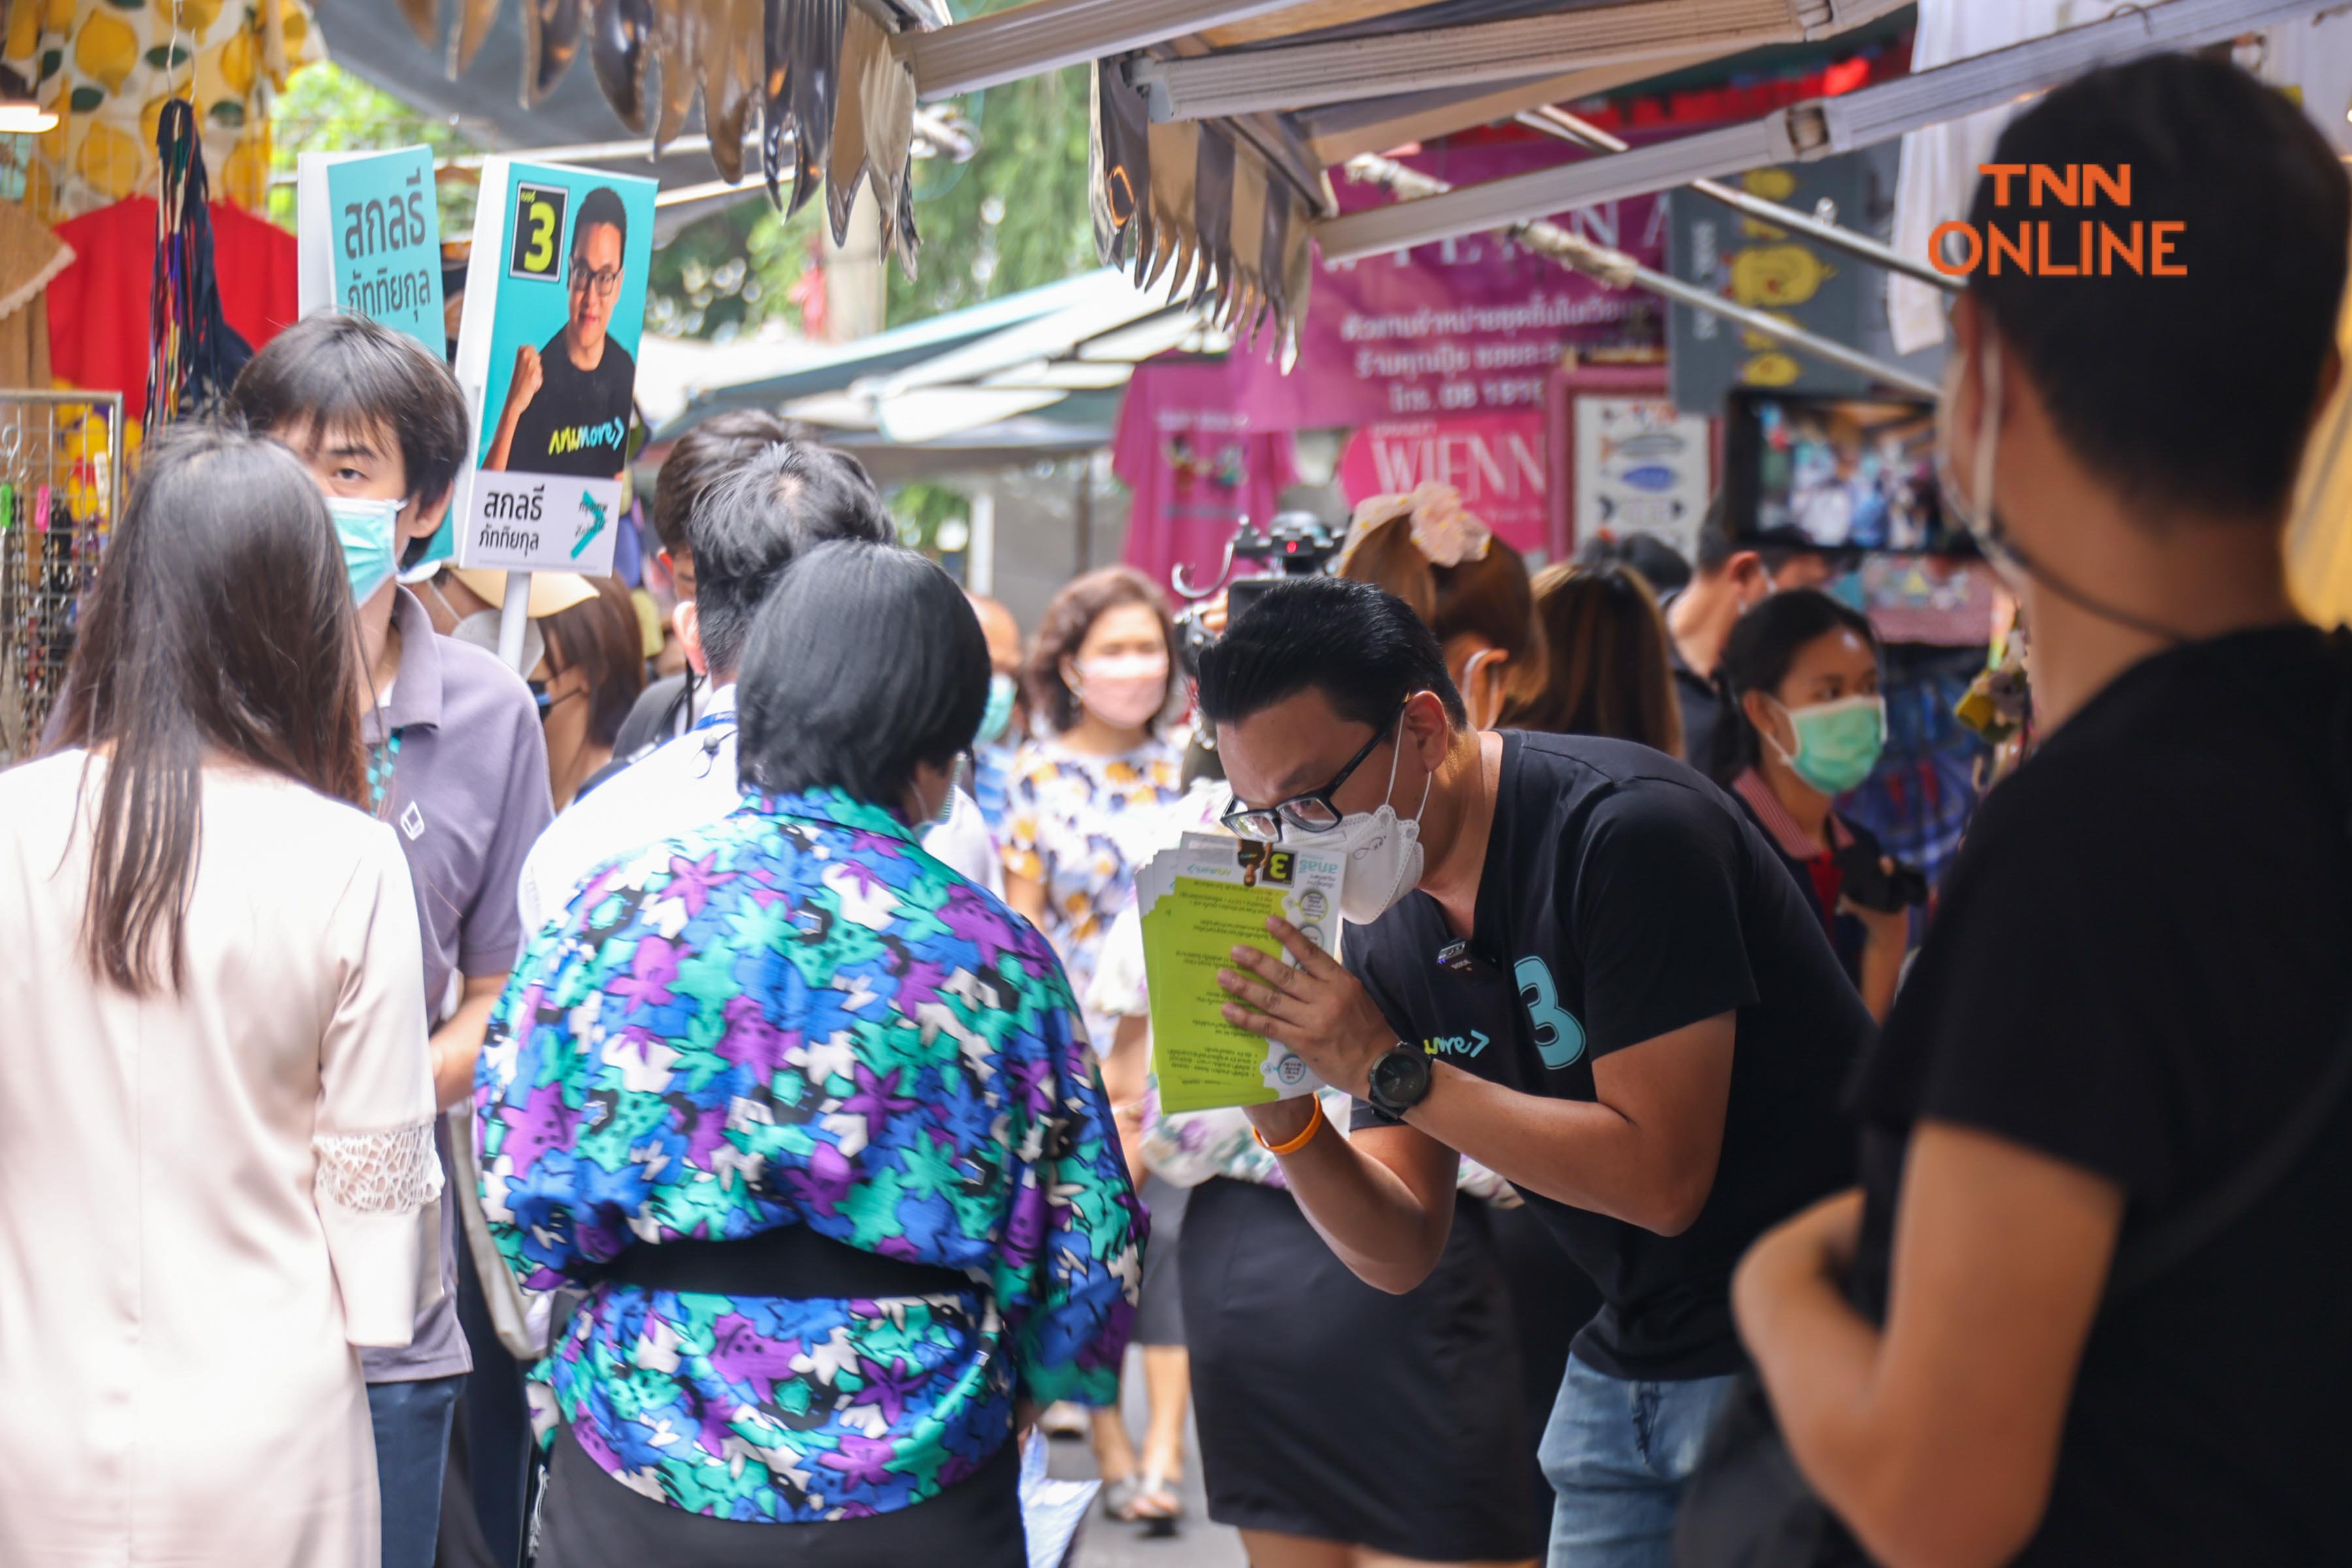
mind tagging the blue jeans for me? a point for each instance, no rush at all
(1617, 1454)
(412, 1449)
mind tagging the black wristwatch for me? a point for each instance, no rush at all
(1399, 1079)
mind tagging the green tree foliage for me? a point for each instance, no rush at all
(326, 109)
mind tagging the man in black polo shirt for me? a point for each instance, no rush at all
(1726, 581)
(1575, 962)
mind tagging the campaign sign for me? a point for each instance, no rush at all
(371, 239)
(370, 245)
(555, 306)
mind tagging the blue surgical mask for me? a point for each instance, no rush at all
(363, 527)
(999, 712)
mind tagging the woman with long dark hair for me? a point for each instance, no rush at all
(1802, 723)
(216, 1100)
(1605, 669)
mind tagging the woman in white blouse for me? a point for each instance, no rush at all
(215, 1149)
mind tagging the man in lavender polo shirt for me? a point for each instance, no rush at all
(458, 766)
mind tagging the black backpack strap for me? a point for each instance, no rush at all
(2145, 1258)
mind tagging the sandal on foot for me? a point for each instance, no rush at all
(1119, 1497)
(1158, 1505)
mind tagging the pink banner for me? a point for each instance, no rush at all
(1496, 460)
(1463, 326)
(1196, 463)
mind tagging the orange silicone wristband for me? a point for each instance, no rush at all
(1314, 1125)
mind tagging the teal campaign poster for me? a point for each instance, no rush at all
(555, 305)
(371, 245)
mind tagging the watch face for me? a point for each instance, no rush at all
(1400, 1076)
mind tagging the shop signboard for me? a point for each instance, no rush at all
(1640, 466)
(555, 304)
(369, 228)
(1751, 262)
(1468, 326)
(1496, 460)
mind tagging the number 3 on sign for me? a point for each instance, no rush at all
(537, 246)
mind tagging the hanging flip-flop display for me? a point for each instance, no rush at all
(861, 38)
(813, 37)
(730, 80)
(552, 32)
(678, 45)
(1213, 211)
(1119, 165)
(619, 32)
(835, 98)
(475, 19)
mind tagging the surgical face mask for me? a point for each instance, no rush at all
(1975, 510)
(364, 529)
(1838, 743)
(999, 712)
(1123, 690)
(1384, 858)
(945, 809)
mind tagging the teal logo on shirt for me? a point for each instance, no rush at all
(1559, 1039)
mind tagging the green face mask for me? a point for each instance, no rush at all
(1837, 742)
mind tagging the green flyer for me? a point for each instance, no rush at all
(1198, 901)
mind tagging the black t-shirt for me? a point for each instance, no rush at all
(577, 423)
(1623, 897)
(1696, 696)
(2142, 955)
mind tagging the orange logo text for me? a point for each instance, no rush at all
(2058, 247)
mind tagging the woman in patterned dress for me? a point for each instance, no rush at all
(810, 1115)
(1081, 810)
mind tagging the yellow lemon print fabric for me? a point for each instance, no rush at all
(105, 67)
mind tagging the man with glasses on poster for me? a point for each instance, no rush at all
(567, 410)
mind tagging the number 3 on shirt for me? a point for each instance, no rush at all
(1559, 1039)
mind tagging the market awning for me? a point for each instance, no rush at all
(953, 377)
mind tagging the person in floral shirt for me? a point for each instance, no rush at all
(810, 1115)
(1083, 797)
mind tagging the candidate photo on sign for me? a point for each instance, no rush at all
(567, 409)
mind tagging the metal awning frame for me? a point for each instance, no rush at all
(1645, 32)
(1815, 129)
(1619, 270)
(1560, 125)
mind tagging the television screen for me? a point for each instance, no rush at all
(1834, 473)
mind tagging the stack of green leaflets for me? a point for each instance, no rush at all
(1199, 900)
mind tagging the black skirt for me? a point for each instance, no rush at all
(588, 1520)
(1336, 1411)
(1160, 1314)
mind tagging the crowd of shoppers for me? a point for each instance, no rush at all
(1684, 1183)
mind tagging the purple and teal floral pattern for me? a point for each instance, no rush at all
(796, 1016)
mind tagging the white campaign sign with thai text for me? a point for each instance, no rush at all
(541, 523)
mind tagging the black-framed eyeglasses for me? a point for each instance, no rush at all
(604, 279)
(1310, 813)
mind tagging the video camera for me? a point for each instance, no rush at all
(1295, 544)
